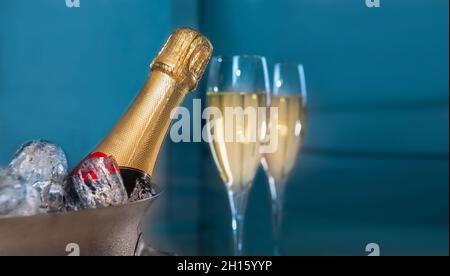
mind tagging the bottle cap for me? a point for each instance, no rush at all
(184, 57)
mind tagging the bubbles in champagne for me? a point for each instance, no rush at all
(236, 137)
(290, 125)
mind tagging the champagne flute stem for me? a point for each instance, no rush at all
(276, 192)
(238, 204)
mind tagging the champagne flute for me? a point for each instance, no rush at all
(289, 97)
(237, 83)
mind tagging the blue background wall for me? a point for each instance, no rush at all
(68, 74)
(375, 163)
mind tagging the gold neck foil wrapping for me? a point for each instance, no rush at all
(136, 140)
(184, 57)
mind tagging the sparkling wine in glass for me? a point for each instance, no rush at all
(289, 97)
(237, 92)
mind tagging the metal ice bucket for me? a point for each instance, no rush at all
(107, 231)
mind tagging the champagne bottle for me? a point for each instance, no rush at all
(136, 139)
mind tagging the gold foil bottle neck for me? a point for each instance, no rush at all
(184, 57)
(137, 138)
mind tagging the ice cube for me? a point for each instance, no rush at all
(38, 161)
(142, 190)
(42, 165)
(95, 183)
(16, 197)
(52, 195)
(54, 198)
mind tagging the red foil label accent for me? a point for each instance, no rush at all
(87, 173)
